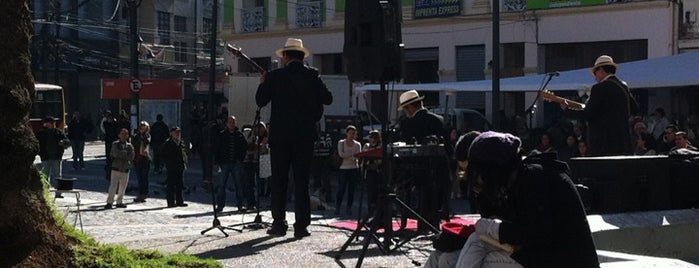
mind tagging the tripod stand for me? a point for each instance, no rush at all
(380, 217)
(216, 223)
(208, 173)
(255, 135)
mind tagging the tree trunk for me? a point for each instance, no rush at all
(29, 235)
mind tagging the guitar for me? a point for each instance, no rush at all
(239, 53)
(549, 96)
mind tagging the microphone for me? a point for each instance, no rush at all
(556, 73)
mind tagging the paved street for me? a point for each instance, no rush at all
(152, 225)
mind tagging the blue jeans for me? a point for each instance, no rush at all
(141, 169)
(78, 150)
(52, 169)
(348, 181)
(233, 171)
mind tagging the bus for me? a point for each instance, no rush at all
(48, 101)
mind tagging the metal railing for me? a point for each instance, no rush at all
(309, 15)
(253, 19)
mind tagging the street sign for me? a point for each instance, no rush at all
(135, 85)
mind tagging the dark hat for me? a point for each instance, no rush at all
(49, 119)
(494, 148)
(175, 129)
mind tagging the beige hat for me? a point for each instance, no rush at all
(409, 97)
(602, 61)
(294, 44)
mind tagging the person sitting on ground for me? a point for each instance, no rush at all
(531, 212)
(641, 147)
(667, 142)
(681, 142)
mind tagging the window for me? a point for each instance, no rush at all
(180, 24)
(180, 51)
(164, 27)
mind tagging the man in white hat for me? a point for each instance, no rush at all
(607, 111)
(419, 122)
(421, 126)
(297, 95)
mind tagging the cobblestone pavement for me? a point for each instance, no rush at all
(151, 225)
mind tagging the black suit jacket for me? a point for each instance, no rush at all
(297, 95)
(607, 113)
(545, 216)
(424, 123)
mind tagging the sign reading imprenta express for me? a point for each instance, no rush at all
(437, 8)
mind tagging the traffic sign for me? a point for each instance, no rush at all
(135, 85)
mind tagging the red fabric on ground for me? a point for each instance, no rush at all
(412, 223)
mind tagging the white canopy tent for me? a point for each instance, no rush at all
(670, 71)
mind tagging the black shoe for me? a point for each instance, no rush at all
(277, 230)
(121, 205)
(171, 205)
(58, 195)
(139, 200)
(301, 233)
(241, 209)
(219, 209)
(182, 205)
(108, 206)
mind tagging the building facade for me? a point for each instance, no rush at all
(452, 40)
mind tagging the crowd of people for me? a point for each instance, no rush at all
(523, 192)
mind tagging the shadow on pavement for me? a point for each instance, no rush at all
(246, 248)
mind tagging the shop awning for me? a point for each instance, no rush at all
(671, 71)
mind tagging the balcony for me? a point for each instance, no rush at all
(308, 15)
(514, 5)
(253, 19)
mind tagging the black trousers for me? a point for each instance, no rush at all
(175, 185)
(297, 157)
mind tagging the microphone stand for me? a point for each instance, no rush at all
(257, 223)
(532, 108)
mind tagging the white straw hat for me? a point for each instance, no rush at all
(409, 97)
(603, 60)
(293, 44)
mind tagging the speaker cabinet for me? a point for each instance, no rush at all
(624, 183)
(373, 49)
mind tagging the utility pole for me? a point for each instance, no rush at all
(495, 66)
(56, 47)
(133, 25)
(208, 170)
